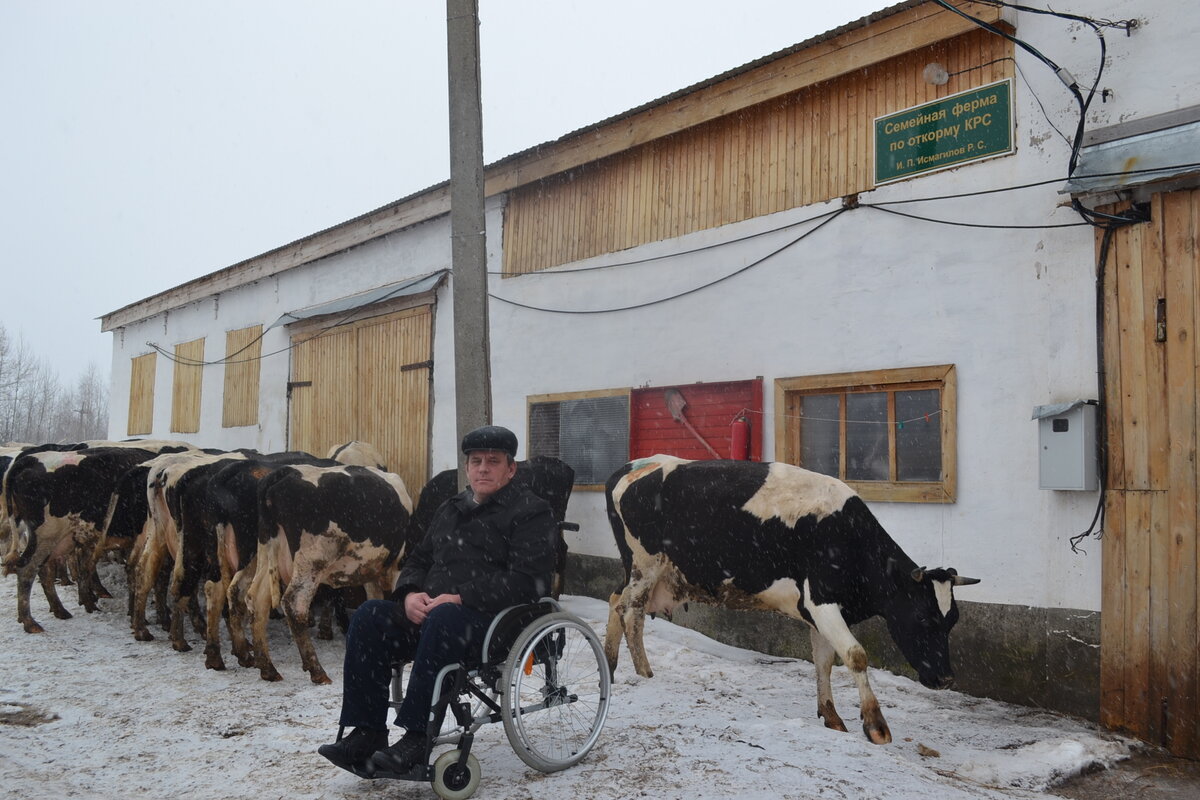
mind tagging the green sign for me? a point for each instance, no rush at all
(954, 130)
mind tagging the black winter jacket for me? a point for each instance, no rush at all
(494, 555)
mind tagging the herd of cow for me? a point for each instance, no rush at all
(254, 532)
(287, 531)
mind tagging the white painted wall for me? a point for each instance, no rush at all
(1012, 309)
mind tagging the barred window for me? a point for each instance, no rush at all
(588, 430)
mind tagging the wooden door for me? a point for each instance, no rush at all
(369, 381)
(1150, 650)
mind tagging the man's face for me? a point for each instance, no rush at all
(489, 471)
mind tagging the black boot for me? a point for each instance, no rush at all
(401, 757)
(353, 753)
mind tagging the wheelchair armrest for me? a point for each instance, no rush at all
(509, 622)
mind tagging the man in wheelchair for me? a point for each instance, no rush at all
(490, 547)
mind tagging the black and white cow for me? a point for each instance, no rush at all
(363, 454)
(775, 537)
(232, 525)
(57, 501)
(164, 537)
(338, 526)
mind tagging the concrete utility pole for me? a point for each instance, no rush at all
(468, 234)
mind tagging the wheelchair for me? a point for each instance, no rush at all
(541, 671)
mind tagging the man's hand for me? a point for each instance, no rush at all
(417, 605)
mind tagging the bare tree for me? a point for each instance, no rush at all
(35, 407)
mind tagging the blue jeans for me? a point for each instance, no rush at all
(379, 636)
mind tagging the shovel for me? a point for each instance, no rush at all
(676, 404)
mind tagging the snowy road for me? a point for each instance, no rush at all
(87, 712)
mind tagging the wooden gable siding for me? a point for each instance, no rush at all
(806, 147)
(1150, 646)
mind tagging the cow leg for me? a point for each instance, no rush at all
(236, 600)
(46, 575)
(86, 579)
(182, 595)
(612, 634)
(324, 615)
(146, 576)
(829, 623)
(259, 609)
(24, 587)
(823, 658)
(297, 601)
(631, 609)
(214, 601)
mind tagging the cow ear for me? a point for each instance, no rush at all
(918, 574)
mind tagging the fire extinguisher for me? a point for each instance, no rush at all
(739, 439)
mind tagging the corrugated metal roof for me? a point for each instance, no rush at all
(392, 291)
(1162, 148)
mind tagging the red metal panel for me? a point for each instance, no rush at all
(711, 409)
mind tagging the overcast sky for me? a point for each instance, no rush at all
(146, 143)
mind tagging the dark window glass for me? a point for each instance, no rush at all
(918, 436)
(820, 442)
(866, 437)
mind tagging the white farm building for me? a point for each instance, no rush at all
(863, 251)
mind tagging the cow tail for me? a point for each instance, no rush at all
(618, 525)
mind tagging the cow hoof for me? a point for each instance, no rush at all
(181, 647)
(836, 724)
(320, 678)
(270, 674)
(143, 636)
(245, 660)
(62, 613)
(33, 627)
(878, 735)
(104, 594)
(215, 662)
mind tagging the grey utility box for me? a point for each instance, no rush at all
(1067, 446)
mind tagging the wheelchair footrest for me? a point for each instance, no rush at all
(419, 772)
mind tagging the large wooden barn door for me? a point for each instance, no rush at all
(1150, 650)
(368, 381)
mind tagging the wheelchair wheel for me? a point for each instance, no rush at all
(556, 692)
(452, 782)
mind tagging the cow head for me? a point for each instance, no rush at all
(919, 617)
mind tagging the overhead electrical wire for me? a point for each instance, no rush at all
(832, 215)
(1092, 217)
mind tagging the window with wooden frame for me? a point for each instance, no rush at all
(141, 395)
(186, 389)
(588, 430)
(889, 434)
(243, 353)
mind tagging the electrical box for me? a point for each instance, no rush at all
(1067, 446)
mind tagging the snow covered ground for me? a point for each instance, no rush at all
(87, 712)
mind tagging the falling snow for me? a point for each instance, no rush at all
(87, 712)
